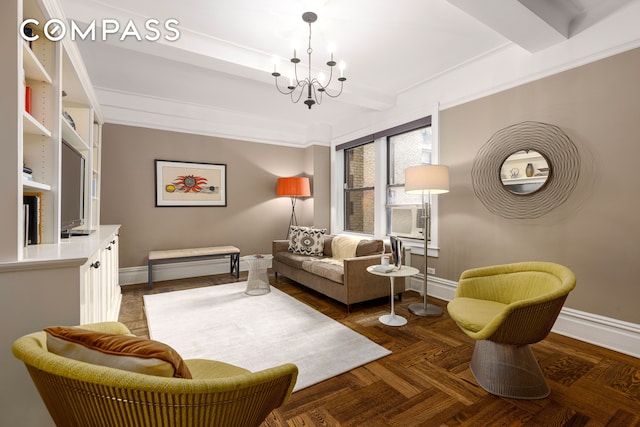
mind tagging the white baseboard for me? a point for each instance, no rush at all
(617, 335)
(177, 270)
(606, 332)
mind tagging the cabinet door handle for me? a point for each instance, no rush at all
(113, 242)
(108, 247)
(96, 264)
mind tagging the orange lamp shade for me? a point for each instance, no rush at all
(293, 186)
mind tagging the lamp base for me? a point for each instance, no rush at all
(425, 310)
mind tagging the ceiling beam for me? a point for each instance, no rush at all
(516, 22)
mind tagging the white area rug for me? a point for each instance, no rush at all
(256, 332)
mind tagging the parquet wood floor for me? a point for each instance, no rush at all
(427, 381)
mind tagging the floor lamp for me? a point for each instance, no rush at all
(293, 187)
(426, 180)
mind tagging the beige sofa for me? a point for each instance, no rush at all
(349, 283)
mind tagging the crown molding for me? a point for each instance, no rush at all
(132, 109)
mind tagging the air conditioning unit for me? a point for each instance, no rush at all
(407, 221)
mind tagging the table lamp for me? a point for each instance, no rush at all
(293, 187)
(426, 180)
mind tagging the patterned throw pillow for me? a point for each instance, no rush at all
(306, 240)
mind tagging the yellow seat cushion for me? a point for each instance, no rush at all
(474, 314)
(203, 369)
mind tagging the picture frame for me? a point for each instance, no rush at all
(181, 183)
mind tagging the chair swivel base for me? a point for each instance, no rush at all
(508, 370)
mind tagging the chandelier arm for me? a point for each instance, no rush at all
(282, 91)
(315, 95)
(324, 87)
(337, 94)
(295, 101)
(295, 73)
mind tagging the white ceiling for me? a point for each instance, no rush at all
(221, 65)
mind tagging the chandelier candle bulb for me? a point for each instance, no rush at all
(331, 50)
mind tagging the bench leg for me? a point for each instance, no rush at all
(235, 264)
(150, 270)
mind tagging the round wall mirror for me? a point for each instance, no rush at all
(525, 172)
(553, 156)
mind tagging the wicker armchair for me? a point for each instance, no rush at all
(219, 394)
(505, 308)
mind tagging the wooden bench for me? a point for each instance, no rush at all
(179, 255)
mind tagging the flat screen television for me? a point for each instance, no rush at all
(71, 190)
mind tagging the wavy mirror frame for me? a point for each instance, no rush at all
(550, 141)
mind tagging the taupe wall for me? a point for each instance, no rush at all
(254, 216)
(319, 160)
(597, 231)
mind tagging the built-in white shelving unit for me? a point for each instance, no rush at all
(55, 280)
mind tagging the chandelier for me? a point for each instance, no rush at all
(313, 87)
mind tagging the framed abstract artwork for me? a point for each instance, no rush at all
(190, 183)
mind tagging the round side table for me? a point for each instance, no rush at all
(392, 319)
(258, 280)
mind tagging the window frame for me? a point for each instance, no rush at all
(390, 173)
(348, 189)
(381, 179)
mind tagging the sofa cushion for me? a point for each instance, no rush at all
(306, 240)
(291, 259)
(328, 239)
(328, 270)
(368, 247)
(124, 352)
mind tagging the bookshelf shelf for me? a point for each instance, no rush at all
(33, 68)
(34, 185)
(70, 135)
(32, 126)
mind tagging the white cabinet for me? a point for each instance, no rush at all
(54, 284)
(100, 295)
(90, 278)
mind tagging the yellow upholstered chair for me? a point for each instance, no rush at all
(506, 308)
(218, 394)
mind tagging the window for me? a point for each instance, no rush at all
(370, 173)
(408, 149)
(359, 176)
